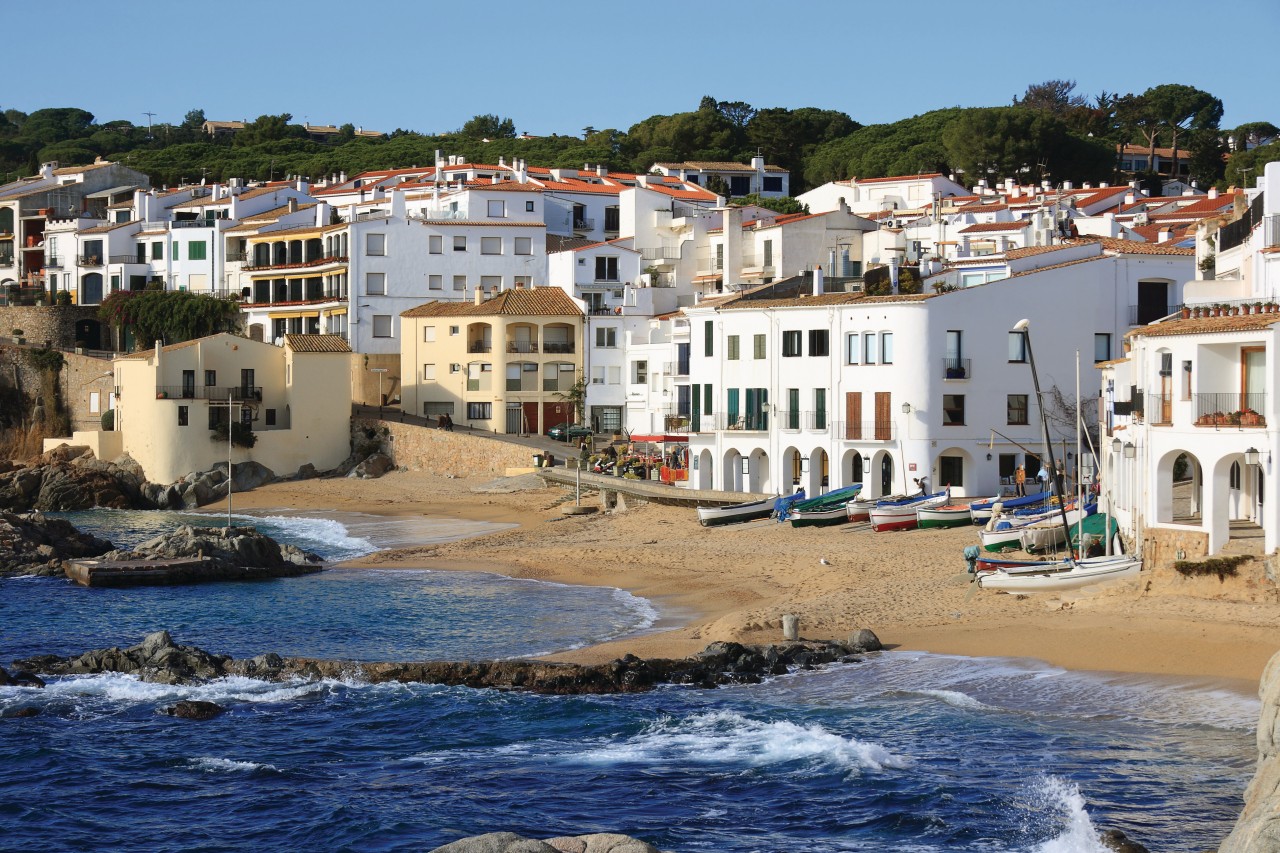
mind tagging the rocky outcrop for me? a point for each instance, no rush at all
(157, 658)
(509, 842)
(70, 478)
(233, 553)
(192, 709)
(35, 545)
(373, 467)
(1258, 827)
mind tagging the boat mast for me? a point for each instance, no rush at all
(1024, 326)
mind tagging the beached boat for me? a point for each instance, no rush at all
(1048, 533)
(1005, 531)
(710, 516)
(1064, 575)
(901, 514)
(782, 507)
(860, 510)
(825, 509)
(947, 515)
(982, 510)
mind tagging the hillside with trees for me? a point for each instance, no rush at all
(1050, 132)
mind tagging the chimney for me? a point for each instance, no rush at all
(293, 205)
(322, 214)
(1105, 185)
(479, 297)
(1130, 197)
(817, 280)
(1164, 234)
(397, 204)
(1067, 185)
(601, 171)
(1213, 192)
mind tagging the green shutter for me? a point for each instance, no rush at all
(763, 396)
(759, 346)
(733, 348)
(708, 339)
(820, 408)
(695, 416)
(732, 407)
(706, 400)
(196, 250)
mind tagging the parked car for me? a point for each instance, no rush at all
(568, 431)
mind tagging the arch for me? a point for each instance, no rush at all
(522, 337)
(954, 467)
(479, 337)
(704, 470)
(295, 251)
(882, 474)
(1180, 488)
(314, 249)
(790, 472)
(279, 253)
(759, 480)
(91, 288)
(6, 220)
(732, 470)
(88, 334)
(557, 338)
(819, 478)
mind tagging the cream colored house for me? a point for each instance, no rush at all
(499, 363)
(295, 397)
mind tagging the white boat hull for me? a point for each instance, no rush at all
(710, 516)
(1080, 574)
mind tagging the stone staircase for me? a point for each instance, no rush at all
(1247, 538)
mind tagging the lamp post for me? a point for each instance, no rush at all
(379, 371)
(1024, 326)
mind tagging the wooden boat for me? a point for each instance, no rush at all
(1072, 574)
(901, 514)
(947, 515)
(1004, 532)
(983, 509)
(1048, 533)
(860, 510)
(710, 516)
(782, 508)
(825, 510)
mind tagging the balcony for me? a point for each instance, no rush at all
(125, 259)
(236, 393)
(53, 262)
(1238, 411)
(522, 346)
(661, 253)
(480, 346)
(1141, 315)
(6, 260)
(584, 224)
(237, 257)
(90, 261)
(956, 368)
(560, 347)
(290, 265)
(865, 430)
(752, 422)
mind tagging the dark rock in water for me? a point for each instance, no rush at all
(194, 710)
(24, 713)
(34, 545)
(1114, 839)
(509, 842)
(157, 658)
(234, 553)
(865, 640)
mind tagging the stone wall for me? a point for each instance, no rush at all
(1163, 546)
(55, 324)
(1258, 828)
(365, 383)
(418, 448)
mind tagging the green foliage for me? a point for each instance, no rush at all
(992, 143)
(904, 147)
(488, 126)
(785, 204)
(1053, 96)
(63, 298)
(1245, 166)
(576, 397)
(169, 316)
(241, 434)
(877, 281)
(46, 360)
(1223, 567)
(269, 128)
(108, 420)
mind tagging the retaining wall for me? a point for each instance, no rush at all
(417, 448)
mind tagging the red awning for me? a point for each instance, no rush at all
(683, 439)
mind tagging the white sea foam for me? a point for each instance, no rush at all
(1062, 801)
(226, 765)
(728, 738)
(128, 689)
(956, 699)
(325, 536)
(645, 612)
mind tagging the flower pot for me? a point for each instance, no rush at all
(1186, 313)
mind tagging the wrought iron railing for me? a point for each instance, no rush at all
(1237, 410)
(882, 430)
(124, 259)
(522, 346)
(90, 260)
(216, 393)
(956, 368)
(558, 347)
(1234, 233)
(480, 346)
(660, 253)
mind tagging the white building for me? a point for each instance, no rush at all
(758, 178)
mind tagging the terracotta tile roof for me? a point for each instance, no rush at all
(509, 187)
(316, 343)
(1050, 267)
(276, 212)
(111, 226)
(1133, 247)
(1131, 149)
(206, 200)
(538, 301)
(1207, 325)
(480, 223)
(717, 166)
(151, 351)
(303, 229)
(557, 243)
(1151, 233)
(615, 243)
(981, 227)
(1015, 254)
(1110, 363)
(75, 170)
(982, 208)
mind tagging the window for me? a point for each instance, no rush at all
(479, 411)
(615, 375)
(453, 330)
(768, 253)
(606, 269)
(215, 417)
(852, 343)
(497, 208)
(707, 396)
(708, 339)
(1186, 380)
(1016, 409)
(639, 372)
(435, 244)
(435, 282)
(953, 410)
(375, 283)
(183, 413)
(524, 246)
(428, 373)
(525, 281)
(606, 337)
(819, 342)
(1017, 348)
(375, 244)
(597, 376)
(157, 251)
(869, 348)
(528, 207)
(270, 417)
(459, 282)
(382, 325)
(1102, 347)
(491, 282)
(819, 408)
(196, 250)
(759, 346)
(733, 348)
(459, 244)
(491, 245)
(455, 368)
(739, 185)
(886, 347)
(772, 184)
(791, 343)
(210, 378)
(428, 334)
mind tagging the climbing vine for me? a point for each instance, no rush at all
(172, 316)
(48, 364)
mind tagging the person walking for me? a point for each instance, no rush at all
(1020, 480)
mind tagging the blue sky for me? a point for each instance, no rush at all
(557, 67)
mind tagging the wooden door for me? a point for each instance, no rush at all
(531, 417)
(884, 417)
(853, 415)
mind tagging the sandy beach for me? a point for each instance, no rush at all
(736, 582)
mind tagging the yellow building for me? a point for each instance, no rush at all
(296, 398)
(500, 363)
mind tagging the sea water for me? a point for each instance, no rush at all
(902, 752)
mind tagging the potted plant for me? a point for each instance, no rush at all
(18, 336)
(1186, 313)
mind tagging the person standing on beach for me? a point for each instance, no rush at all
(1020, 480)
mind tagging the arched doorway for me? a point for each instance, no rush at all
(1179, 489)
(732, 471)
(705, 472)
(91, 289)
(886, 476)
(819, 477)
(89, 334)
(759, 479)
(791, 471)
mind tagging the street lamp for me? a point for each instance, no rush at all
(1117, 445)
(1130, 450)
(1251, 456)
(379, 371)
(906, 408)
